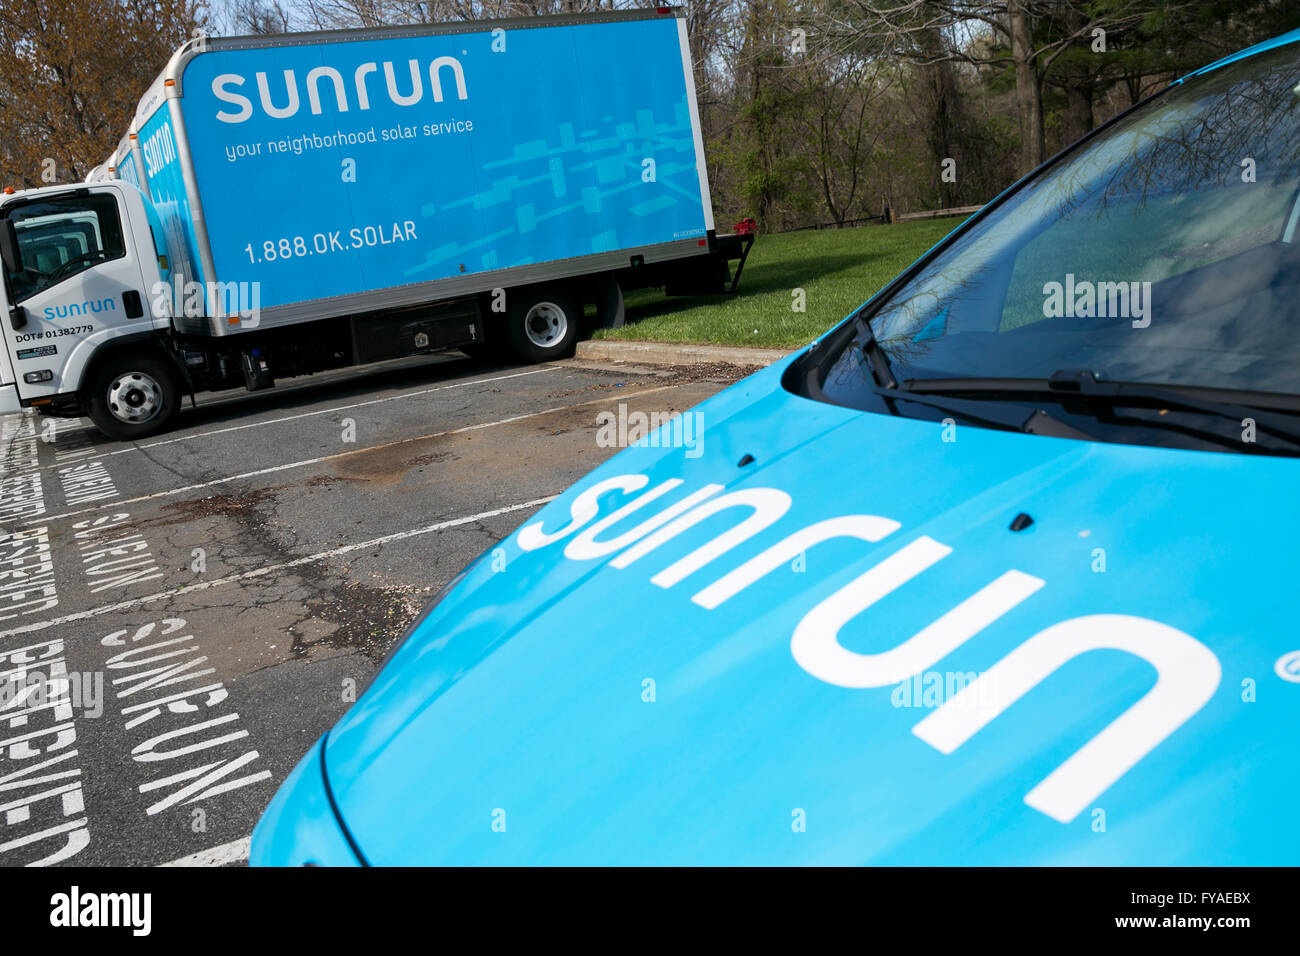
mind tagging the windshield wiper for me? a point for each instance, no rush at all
(877, 360)
(1088, 386)
(1036, 422)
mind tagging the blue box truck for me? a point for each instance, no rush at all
(287, 204)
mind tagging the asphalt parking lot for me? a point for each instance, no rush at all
(182, 617)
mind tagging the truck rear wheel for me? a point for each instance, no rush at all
(133, 397)
(542, 323)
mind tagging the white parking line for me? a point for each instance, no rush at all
(48, 519)
(224, 855)
(291, 418)
(273, 569)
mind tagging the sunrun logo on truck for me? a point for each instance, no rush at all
(53, 312)
(159, 150)
(222, 88)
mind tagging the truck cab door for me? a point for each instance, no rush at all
(74, 278)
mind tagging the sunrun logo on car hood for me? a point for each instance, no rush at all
(1188, 671)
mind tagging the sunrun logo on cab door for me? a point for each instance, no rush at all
(75, 309)
(357, 89)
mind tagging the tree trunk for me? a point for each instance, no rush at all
(1078, 84)
(1029, 91)
(1078, 109)
(941, 84)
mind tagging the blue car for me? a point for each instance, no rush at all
(1001, 570)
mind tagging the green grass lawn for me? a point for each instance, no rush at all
(838, 269)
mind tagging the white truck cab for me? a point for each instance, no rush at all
(82, 274)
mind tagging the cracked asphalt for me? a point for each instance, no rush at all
(181, 618)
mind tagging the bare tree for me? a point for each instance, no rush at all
(251, 17)
(1028, 36)
(72, 75)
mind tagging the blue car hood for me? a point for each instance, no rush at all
(847, 655)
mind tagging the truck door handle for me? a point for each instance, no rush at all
(18, 317)
(131, 302)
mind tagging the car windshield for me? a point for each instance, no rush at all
(1164, 250)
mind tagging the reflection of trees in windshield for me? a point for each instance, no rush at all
(1162, 197)
(1254, 118)
(1195, 141)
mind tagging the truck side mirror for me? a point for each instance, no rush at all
(12, 259)
(9, 247)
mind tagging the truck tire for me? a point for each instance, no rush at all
(132, 397)
(542, 323)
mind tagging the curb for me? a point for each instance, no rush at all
(671, 353)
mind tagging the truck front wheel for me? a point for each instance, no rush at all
(542, 323)
(132, 397)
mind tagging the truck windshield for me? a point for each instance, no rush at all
(60, 237)
(1164, 250)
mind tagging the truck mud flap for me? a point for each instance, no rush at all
(609, 303)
